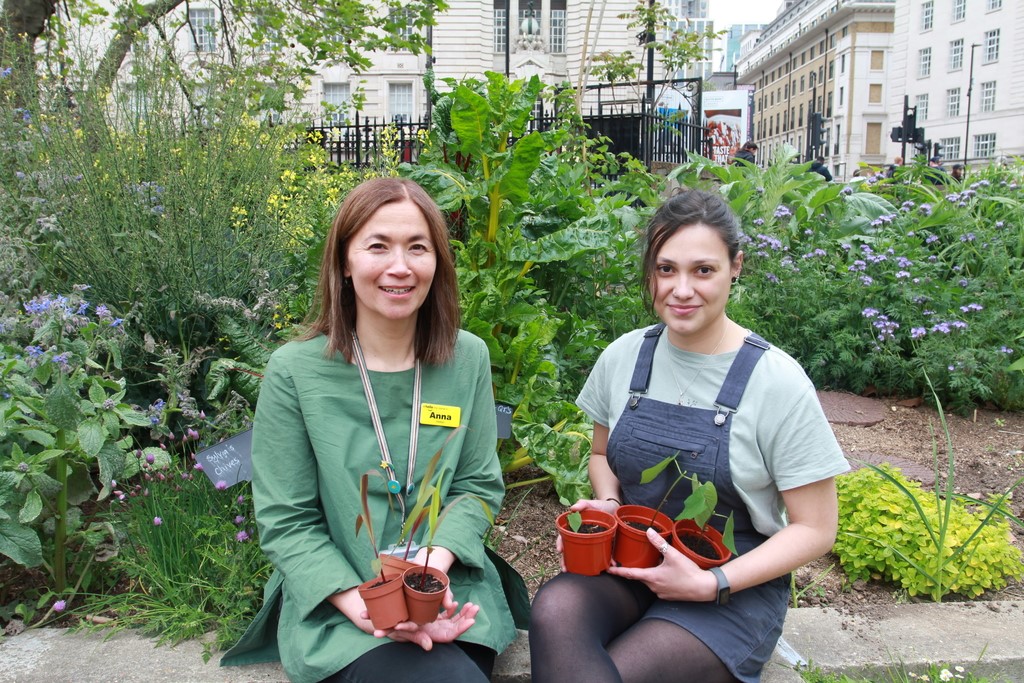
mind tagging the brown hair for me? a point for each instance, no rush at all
(334, 310)
(682, 210)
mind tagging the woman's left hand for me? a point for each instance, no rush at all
(449, 625)
(676, 578)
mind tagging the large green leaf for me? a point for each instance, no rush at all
(62, 406)
(91, 436)
(514, 183)
(470, 114)
(20, 543)
(31, 509)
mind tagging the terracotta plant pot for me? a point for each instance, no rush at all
(687, 528)
(587, 553)
(395, 563)
(423, 607)
(385, 603)
(632, 549)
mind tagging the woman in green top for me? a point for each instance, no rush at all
(387, 315)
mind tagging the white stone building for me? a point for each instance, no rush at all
(829, 58)
(961, 65)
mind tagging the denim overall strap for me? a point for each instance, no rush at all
(642, 370)
(739, 374)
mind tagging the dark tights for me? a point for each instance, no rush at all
(589, 628)
(409, 663)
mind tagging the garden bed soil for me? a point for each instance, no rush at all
(988, 448)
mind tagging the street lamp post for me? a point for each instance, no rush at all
(970, 89)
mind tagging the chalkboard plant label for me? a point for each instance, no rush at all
(229, 461)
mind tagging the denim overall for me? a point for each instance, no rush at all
(742, 634)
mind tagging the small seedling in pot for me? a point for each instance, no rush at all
(699, 505)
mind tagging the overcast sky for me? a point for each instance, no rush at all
(725, 13)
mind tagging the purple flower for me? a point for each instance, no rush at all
(242, 536)
(239, 519)
(157, 521)
(867, 280)
(241, 500)
(917, 332)
(23, 467)
(782, 211)
(1005, 349)
(198, 466)
(972, 307)
(60, 605)
(150, 458)
(869, 312)
(221, 485)
(931, 238)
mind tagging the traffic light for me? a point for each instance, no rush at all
(816, 134)
(897, 134)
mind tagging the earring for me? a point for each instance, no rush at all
(735, 279)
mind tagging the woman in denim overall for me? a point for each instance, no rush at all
(734, 411)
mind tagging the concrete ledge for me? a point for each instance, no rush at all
(983, 637)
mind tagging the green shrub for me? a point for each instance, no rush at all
(882, 537)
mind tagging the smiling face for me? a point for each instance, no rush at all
(391, 261)
(690, 284)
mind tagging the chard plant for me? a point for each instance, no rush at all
(521, 203)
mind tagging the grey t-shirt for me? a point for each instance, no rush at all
(780, 438)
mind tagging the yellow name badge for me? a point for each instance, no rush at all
(441, 416)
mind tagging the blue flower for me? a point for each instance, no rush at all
(917, 332)
(6, 71)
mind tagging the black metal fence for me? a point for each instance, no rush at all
(652, 138)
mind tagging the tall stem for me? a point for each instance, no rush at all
(61, 528)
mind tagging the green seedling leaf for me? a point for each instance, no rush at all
(575, 520)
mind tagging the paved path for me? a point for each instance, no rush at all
(983, 637)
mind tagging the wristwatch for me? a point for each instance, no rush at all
(722, 598)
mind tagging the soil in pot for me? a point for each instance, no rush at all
(632, 548)
(686, 534)
(588, 553)
(424, 593)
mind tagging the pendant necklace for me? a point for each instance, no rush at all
(386, 463)
(682, 392)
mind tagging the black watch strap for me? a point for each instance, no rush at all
(722, 598)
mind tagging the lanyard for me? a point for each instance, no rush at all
(414, 432)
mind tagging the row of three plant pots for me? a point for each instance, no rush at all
(403, 591)
(602, 537)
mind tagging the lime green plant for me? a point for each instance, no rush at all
(942, 542)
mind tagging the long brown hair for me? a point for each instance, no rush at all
(334, 310)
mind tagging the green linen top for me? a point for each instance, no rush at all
(312, 441)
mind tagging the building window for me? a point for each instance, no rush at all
(927, 15)
(203, 23)
(921, 107)
(950, 148)
(988, 96)
(991, 46)
(993, 5)
(842, 64)
(556, 39)
(803, 83)
(877, 60)
(984, 145)
(400, 102)
(956, 54)
(953, 102)
(336, 99)
(500, 28)
(875, 93)
(924, 62)
(873, 139)
(405, 16)
(841, 91)
(959, 10)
